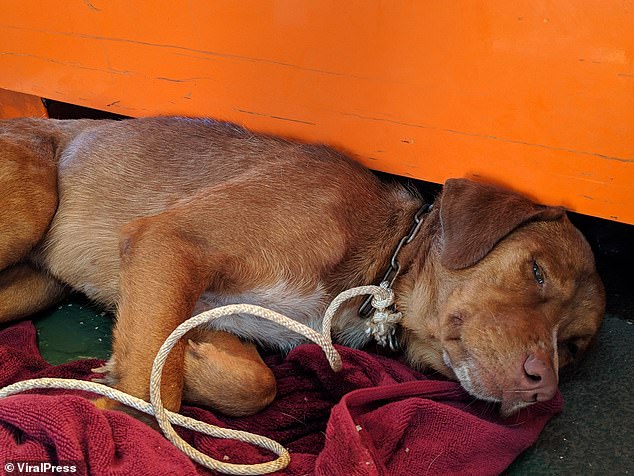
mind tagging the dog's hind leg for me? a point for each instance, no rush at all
(28, 181)
(25, 290)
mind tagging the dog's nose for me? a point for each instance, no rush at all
(539, 382)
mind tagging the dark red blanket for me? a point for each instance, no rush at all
(375, 417)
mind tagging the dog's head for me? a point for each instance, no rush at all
(514, 296)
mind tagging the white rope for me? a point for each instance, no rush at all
(383, 298)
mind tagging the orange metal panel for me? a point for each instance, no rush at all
(538, 96)
(14, 104)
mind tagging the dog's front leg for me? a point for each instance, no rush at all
(161, 280)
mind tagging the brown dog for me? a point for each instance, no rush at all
(161, 218)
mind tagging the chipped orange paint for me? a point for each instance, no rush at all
(536, 96)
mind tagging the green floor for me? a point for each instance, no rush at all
(76, 329)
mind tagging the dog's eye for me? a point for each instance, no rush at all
(538, 274)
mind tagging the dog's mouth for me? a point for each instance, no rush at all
(512, 392)
(467, 373)
(513, 363)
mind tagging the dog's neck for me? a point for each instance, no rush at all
(375, 239)
(415, 258)
(394, 266)
(419, 284)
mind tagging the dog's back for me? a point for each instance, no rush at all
(110, 173)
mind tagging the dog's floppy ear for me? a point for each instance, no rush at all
(476, 216)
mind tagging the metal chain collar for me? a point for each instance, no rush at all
(395, 267)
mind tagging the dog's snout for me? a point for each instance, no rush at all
(539, 382)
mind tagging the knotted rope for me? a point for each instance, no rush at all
(382, 299)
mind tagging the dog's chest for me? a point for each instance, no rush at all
(306, 305)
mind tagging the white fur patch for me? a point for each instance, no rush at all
(302, 306)
(466, 373)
